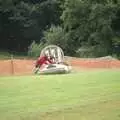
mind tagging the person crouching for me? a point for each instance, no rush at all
(43, 60)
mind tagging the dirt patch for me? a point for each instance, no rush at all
(24, 67)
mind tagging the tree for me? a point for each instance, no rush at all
(23, 21)
(89, 22)
(55, 35)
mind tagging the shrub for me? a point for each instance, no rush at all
(35, 49)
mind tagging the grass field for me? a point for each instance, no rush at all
(7, 55)
(93, 95)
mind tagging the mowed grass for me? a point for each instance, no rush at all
(7, 55)
(92, 95)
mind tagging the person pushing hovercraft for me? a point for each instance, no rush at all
(43, 60)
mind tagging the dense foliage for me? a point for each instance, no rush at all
(85, 28)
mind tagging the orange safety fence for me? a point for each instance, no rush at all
(22, 67)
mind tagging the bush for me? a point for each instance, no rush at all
(91, 52)
(56, 36)
(35, 49)
(53, 36)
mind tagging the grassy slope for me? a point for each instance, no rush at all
(4, 55)
(7, 55)
(78, 96)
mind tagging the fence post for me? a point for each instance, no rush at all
(12, 65)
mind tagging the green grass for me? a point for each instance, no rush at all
(5, 55)
(15, 55)
(84, 95)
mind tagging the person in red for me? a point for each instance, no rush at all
(43, 60)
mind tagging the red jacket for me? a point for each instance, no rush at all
(43, 60)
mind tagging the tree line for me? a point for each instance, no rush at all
(83, 28)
